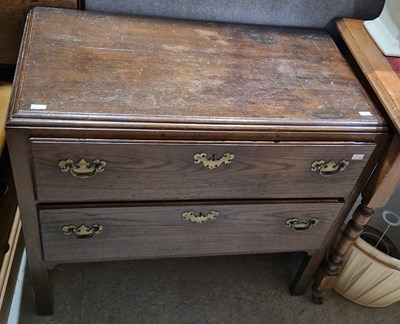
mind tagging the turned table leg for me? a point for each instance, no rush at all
(375, 195)
(327, 274)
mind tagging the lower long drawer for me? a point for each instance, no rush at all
(106, 233)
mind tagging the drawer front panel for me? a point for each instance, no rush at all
(177, 171)
(139, 232)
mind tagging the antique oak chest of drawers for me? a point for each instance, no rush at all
(140, 137)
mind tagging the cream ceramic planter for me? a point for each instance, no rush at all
(369, 277)
(385, 30)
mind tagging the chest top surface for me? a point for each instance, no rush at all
(85, 67)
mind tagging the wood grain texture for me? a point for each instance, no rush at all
(169, 71)
(395, 63)
(30, 226)
(385, 179)
(137, 232)
(12, 21)
(374, 65)
(166, 171)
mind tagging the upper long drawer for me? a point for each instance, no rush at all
(67, 170)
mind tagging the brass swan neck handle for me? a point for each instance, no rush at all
(201, 218)
(82, 169)
(301, 226)
(329, 168)
(82, 231)
(213, 162)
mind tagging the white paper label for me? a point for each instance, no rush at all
(37, 106)
(357, 156)
(365, 113)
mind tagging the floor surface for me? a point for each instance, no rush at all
(228, 289)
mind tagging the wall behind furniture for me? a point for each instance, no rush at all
(299, 13)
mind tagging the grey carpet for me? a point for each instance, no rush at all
(229, 289)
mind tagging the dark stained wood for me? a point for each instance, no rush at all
(30, 226)
(169, 71)
(147, 231)
(145, 95)
(166, 171)
(12, 21)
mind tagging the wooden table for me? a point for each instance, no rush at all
(165, 138)
(375, 68)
